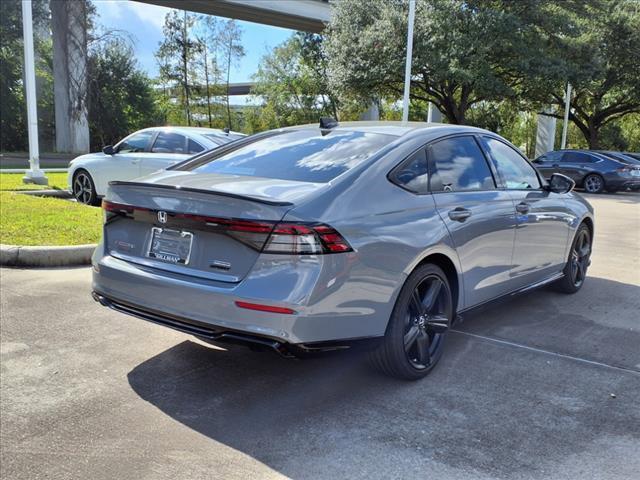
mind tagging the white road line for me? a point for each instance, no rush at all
(547, 352)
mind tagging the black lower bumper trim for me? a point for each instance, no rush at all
(192, 328)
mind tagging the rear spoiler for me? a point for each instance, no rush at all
(262, 200)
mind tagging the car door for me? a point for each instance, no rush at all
(542, 217)
(124, 164)
(480, 218)
(168, 148)
(576, 165)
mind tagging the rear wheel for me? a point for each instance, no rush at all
(575, 271)
(417, 330)
(593, 183)
(84, 190)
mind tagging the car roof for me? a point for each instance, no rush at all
(395, 128)
(196, 130)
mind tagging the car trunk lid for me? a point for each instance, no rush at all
(210, 226)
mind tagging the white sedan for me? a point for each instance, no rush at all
(139, 154)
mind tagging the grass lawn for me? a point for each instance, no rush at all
(27, 220)
(13, 181)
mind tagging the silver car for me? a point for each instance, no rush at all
(316, 238)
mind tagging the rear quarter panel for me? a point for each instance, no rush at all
(390, 229)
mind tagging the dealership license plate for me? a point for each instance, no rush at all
(172, 246)
(635, 173)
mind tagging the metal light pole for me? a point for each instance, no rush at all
(34, 174)
(407, 68)
(565, 124)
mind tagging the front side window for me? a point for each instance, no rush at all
(459, 165)
(413, 173)
(307, 155)
(137, 142)
(169, 142)
(516, 172)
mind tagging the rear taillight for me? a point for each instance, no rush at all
(112, 209)
(269, 237)
(303, 239)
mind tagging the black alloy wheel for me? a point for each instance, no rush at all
(426, 321)
(417, 330)
(575, 271)
(580, 254)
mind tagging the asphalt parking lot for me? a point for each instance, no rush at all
(543, 386)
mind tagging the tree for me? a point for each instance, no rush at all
(13, 123)
(231, 51)
(176, 54)
(208, 38)
(602, 63)
(291, 81)
(121, 97)
(465, 51)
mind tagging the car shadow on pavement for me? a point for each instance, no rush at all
(332, 415)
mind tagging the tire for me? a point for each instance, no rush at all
(575, 271)
(84, 190)
(420, 320)
(593, 183)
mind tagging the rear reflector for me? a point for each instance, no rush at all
(287, 238)
(265, 308)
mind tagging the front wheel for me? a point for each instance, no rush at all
(84, 190)
(575, 271)
(414, 341)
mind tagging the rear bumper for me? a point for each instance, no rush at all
(207, 308)
(618, 183)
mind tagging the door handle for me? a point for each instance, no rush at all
(523, 207)
(135, 160)
(459, 214)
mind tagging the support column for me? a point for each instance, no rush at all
(372, 113)
(434, 115)
(34, 174)
(545, 133)
(69, 29)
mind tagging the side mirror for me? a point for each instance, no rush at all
(559, 183)
(108, 150)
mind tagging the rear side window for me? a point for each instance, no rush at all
(413, 173)
(195, 147)
(301, 155)
(169, 142)
(459, 165)
(516, 172)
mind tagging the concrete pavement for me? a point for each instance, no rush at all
(544, 386)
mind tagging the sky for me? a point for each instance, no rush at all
(144, 23)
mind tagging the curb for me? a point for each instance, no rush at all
(53, 256)
(46, 193)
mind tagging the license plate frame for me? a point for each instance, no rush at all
(160, 247)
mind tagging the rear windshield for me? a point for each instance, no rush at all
(300, 155)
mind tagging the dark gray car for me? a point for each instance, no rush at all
(308, 239)
(592, 170)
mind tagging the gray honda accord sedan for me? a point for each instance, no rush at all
(315, 238)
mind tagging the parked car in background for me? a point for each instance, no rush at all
(307, 239)
(620, 156)
(592, 170)
(141, 153)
